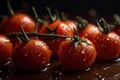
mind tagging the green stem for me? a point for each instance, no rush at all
(57, 14)
(82, 23)
(36, 19)
(36, 16)
(52, 17)
(3, 16)
(103, 26)
(76, 39)
(36, 34)
(117, 19)
(10, 8)
(63, 16)
(25, 35)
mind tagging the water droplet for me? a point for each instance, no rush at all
(108, 39)
(115, 42)
(103, 79)
(106, 68)
(98, 75)
(78, 77)
(1, 79)
(60, 73)
(97, 38)
(1, 71)
(56, 78)
(117, 60)
(88, 69)
(25, 54)
(84, 59)
(86, 35)
(45, 68)
(83, 52)
(39, 55)
(117, 75)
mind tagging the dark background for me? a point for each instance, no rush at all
(104, 8)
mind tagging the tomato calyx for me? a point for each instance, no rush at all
(63, 16)
(117, 19)
(103, 26)
(82, 23)
(53, 17)
(52, 32)
(76, 39)
(37, 19)
(11, 11)
(24, 37)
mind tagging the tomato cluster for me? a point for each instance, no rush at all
(77, 43)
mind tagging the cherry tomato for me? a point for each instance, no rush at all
(86, 29)
(70, 23)
(13, 24)
(107, 43)
(77, 57)
(59, 28)
(31, 55)
(5, 49)
(15, 21)
(89, 32)
(107, 46)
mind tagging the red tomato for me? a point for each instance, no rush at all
(89, 32)
(77, 57)
(5, 49)
(70, 23)
(62, 29)
(31, 55)
(107, 46)
(13, 24)
(107, 43)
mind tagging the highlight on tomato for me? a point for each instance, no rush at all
(86, 29)
(5, 49)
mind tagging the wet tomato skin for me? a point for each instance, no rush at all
(62, 29)
(32, 55)
(77, 57)
(5, 49)
(89, 32)
(13, 24)
(107, 46)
